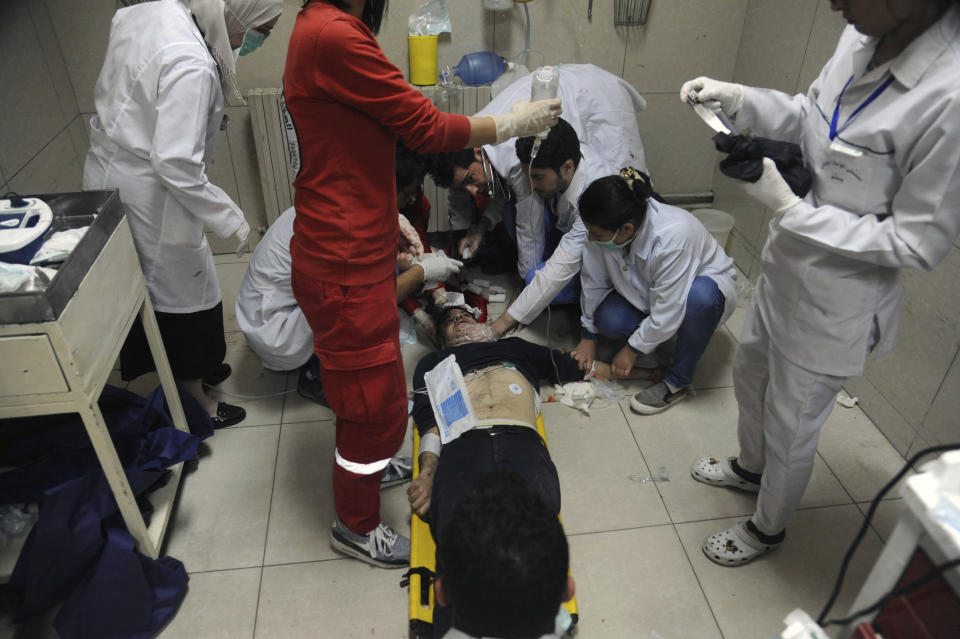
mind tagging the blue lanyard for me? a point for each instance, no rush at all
(834, 130)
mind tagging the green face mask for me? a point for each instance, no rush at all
(252, 40)
(611, 244)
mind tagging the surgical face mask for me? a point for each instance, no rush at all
(252, 40)
(611, 244)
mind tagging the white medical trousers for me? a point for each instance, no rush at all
(782, 407)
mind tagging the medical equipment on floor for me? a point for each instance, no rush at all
(23, 223)
(544, 85)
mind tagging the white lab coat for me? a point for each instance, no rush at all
(655, 273)
(159, 106)
(830, 287)
(601, 107)
(831, 265)
(267, 311)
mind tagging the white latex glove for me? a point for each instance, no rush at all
(471, 242)
(771, 189)
(437, 267)
(713, 94)
(243, 238)
(527, 118)
(408, 233)
(425, 322)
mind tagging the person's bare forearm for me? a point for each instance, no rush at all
(409, 282)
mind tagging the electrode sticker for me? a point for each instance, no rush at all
(515, 389)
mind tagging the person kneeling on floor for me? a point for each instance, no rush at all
(502, 564)
(650, 272)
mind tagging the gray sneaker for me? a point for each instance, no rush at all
(656, 398)
(399, 470)
(383, 546)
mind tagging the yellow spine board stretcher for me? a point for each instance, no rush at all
(423, 563)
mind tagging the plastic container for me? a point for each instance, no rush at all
(423, 59)
(23, 223)
(545, 83)
(481, 67)
(718, 223)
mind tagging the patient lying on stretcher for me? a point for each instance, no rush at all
(502, 379)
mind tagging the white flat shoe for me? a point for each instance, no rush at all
(716, 471)
(735, 546)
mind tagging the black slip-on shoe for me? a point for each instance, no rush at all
(228, 415)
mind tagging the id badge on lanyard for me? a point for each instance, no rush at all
(836, 128)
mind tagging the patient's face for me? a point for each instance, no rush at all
(455, 322)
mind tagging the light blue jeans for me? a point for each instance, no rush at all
(618, 318)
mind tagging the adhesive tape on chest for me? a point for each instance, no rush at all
(515, 389)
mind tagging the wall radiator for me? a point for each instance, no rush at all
(277, 169)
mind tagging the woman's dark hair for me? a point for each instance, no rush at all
(443, 165)
(612, 201)
(373, 12)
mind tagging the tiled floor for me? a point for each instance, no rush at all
(252, 523)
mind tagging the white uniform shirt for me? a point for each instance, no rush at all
(565, 262)
(601, 107)
(267, 311)
(831, 265)
(159, 107)
(655, 272)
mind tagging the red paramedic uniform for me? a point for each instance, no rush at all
(348, 105)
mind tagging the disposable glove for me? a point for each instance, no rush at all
(713, 94)
(409, 238)
(771, 189)
(243, 238)
(424, 322)
(527, 118)
(437, 267)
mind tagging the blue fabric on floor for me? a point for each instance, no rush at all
(79, 552)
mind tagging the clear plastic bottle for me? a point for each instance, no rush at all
(481, 67)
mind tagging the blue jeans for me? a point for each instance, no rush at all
(618, 318)
(569, 294)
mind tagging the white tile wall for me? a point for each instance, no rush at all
(775, 35)
(32, 110)
(55, 168)
(53, 57)
(82, 29)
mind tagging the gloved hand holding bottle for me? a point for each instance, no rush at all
(527, 118)
(243, 238)
(713, 94)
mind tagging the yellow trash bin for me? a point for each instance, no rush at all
(423, 59)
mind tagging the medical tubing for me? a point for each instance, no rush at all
(526, 44)
(896, 592)
(845, 564)
(226, 392)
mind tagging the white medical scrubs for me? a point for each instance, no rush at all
(885, 196)
(267, 311)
